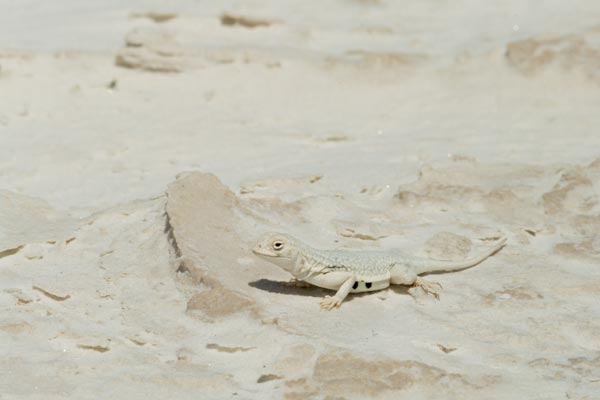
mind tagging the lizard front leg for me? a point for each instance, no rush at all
(297, 283)
(303, 269)
(331, 302)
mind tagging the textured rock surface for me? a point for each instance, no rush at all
(574, 52)
(369, 349)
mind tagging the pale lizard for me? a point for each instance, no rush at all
(351, 271)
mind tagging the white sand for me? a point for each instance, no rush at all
(357, 124)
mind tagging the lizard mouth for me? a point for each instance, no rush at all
(267, 254)
(259, 251)
(262, 249)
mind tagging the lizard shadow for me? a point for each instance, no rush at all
(280, 287)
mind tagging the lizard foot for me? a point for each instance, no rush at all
(330, 302)
(432, 288)
(296, 283)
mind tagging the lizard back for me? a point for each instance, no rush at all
(363, 263)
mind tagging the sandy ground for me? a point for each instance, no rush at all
(144, 148)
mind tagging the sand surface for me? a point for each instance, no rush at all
(145, 147)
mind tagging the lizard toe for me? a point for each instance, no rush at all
(330, 302)
(432, 288)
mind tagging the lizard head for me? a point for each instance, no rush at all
(277, 248)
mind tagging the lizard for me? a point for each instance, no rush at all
(352, 271)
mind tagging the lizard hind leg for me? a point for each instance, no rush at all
(400, 275)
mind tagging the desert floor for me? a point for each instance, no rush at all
(146, 145)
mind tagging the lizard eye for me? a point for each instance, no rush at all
(277, 245)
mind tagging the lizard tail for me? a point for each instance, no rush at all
(447, 266)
